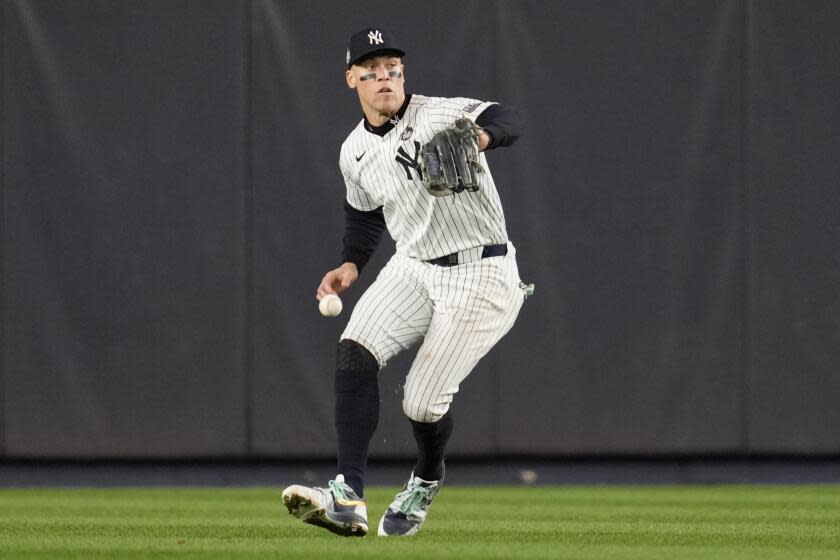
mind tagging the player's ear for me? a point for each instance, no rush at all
(351, 79)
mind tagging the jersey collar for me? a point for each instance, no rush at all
(388, 126)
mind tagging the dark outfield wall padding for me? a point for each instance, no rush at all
(793, 371)
(2, 229)
(123, 236)
(625, 204)
(171, 199)
(302, 111)
(628, 218)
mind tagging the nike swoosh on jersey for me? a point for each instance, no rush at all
(359, 158)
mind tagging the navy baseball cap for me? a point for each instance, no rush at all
(368, 41)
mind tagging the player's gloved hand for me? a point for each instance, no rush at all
(337, 280)
(449, 162)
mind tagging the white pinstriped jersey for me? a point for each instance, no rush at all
(382, 171)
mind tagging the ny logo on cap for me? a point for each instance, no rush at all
(375, 37)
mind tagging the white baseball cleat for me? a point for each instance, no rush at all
(337, 508)
(408, 511)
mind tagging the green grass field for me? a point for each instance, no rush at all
(709, 522)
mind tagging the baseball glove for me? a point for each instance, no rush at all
(449, 162)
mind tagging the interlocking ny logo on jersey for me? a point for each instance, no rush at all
(375, 37)
(408, 163)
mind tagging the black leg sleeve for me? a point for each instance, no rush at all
(356, 410)
(432, 438)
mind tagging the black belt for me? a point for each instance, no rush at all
(488, 251)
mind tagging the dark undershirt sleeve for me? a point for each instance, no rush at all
(502, 122)
(362, 233)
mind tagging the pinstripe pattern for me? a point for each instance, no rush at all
(394, 313)
(460, 312)
(423, 226)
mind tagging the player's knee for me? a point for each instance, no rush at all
(425, 412)
(354, 360)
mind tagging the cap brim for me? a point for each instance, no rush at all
(375, 52)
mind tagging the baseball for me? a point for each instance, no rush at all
(330, 305)
(527, 476)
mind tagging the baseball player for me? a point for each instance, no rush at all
(452, 284)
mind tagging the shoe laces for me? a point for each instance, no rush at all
(414, 498)
(339, 489)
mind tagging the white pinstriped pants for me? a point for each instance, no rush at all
(460, 312)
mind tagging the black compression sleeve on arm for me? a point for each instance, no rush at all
(362, 233)
(502, 122)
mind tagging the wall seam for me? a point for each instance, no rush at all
(248, 229)
(501, 14)
(745, 180)
(3, 418)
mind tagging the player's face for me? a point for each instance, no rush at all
(380, 84)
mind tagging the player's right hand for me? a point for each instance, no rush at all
(337, 280)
